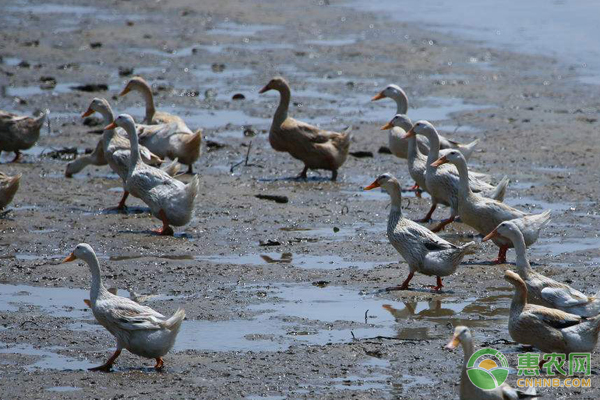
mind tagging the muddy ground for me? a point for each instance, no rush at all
(287, 320)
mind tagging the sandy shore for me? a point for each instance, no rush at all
(287, 320)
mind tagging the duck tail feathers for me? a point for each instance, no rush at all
(175, 321)
(500, 190)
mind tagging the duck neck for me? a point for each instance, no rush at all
(413, 149)
(109, 117)
(135, 156)
(519, 299)
(463, 174)
(434, 148)
(401, 102)
(146, 92)
(523, 265)
(97, 288)
(468, 350)
(395, 193)
(281, 113)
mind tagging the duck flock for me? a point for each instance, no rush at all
(546, 314)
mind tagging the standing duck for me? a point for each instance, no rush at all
(484, 214)
(468, 391)
(153, 117)
(316, 148)
(139, 329)
(423, 250)
(396, 93)
(8, 187)
(443, 182)
(116, 147)
(19, 132)
(548, 329)
(170, 200)
(542, 290)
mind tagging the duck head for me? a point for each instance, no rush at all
(386, 181)
(507, 229)
(97, 105)
(124, 121)
(462, 334)
(449, 156)
(400, 121)
(83, 251)
(135, 83)
(277, 83)
(391, 91)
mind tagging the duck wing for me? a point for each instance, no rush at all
(129, 315)
(564, 296)
(555, 318)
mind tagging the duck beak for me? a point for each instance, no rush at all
(439, 161)
(87, 113)
(490, 235)
(125, 91)
(110, 126)
(373, 186)
(379, 96)
(71, 257)
(387, 126)
(410, 133)
(452, 344)
(264, 89)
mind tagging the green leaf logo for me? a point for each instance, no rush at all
(485, 372)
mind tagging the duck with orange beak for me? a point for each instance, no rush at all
(462, 336)
(315, 147)
(169, 199)
(484, 214)
(139, 329)
(424, 251)
(396, 93)
(443, 180)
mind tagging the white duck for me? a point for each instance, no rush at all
(548, 329)
(542, 290)
(443, 182)
(468, 391)
(484, 214)
(170, 200)
(417, 149)
(96, 157)
(153, 117)
(423, 250)
(116, 147)
(139, 329)
(396, 93)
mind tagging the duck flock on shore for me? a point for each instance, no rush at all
(544, 313)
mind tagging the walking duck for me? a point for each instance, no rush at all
(424, 251)
(8, 187)
(19, 132)
(316, 148)
(139, 329)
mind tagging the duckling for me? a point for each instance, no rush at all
(153, 117)
(468, 391)
(542, 290)
(484, 214)
(396, 93)
(443, 182)
(139, 329)
(548, 329)
(423, 250)
(19, 132)
(170, 200)
(316, 148)
(8, 187)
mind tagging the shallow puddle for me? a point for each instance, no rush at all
(559, 245)
(529, 204)
(63, 389)
(47, 358)
(230, 28)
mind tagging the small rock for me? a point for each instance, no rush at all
(91, 121)
(216, 67)
(125, 71)
(130, 23)
(273, 197)
(249, 131)
(95, 45)
(321, 284)
(384, 150)
(269, 242)
(362, 154)
(210, 94)
(24, 64)
(20, 101)
(238, 96)
(212, 145)
(91, 87)
(32, 43)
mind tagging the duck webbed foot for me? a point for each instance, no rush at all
(439, 285)
(121, 205)
(427, 217)
(107, 366)
(166, 230)
(17, 157)
(404, 285)
(302, 174)
(160, 364)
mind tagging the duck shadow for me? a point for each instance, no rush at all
(125, 211)
(176, 235)
(418, 290)
(296, 179)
